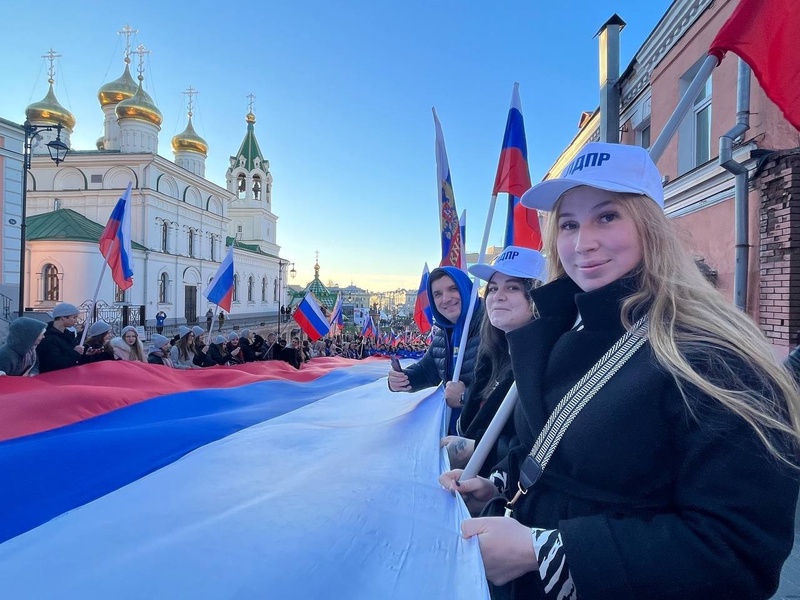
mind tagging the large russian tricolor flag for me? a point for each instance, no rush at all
(310, 318)
(513, 178)
(115, 242)
(127, 480)
(220, 290)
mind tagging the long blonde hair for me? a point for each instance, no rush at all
(687, 315)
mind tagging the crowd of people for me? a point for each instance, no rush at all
(34, 347)
(653, 449)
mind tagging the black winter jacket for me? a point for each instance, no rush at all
(652, 500)
(57, 350)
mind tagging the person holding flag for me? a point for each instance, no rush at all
(656, 440)
(448, 292)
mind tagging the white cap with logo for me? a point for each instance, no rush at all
(610, 167)
(514, 261)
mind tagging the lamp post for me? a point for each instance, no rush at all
(58, 152)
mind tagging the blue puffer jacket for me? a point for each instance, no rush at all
(437, 364)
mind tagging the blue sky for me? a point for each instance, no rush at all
(343, 102)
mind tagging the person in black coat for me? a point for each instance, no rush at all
(508, 303)
(449, 291)
(60, 348)
(678, 479)
(292, 354)
(246, 344)
(202, 348)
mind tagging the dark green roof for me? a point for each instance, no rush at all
(255, 248)
(321, 293)
(250, 150)
(66, 224)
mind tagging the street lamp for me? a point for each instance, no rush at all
(58, 152)
(293, 272)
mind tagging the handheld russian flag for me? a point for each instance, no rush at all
(452, 246)
(423, 316)
(513, 178)
(368, 330)
(337, 319)
(764, 34)
(220, 290)
(115, 242)
(310, 318)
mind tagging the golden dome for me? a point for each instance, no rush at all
(140, 107)
(188, 140)
(118, 90)
(48, 111)
(250, 118)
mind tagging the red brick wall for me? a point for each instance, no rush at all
(779, 249)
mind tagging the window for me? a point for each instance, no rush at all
(251, 284)
(191, 242)
(702, 125)
(164, 236)
(264, 289)
(241, 185)
(119, 294)
(51, 287)
(256, 187)
(163, 284)
(694, 132)
(275, 290)
(643, 136)
(236, 287)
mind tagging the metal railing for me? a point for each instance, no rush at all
(5, 308)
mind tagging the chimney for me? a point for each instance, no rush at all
(609, 76)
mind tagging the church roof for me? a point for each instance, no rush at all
(321, 293)
(65, 225)
(249, 148)
(255, 248)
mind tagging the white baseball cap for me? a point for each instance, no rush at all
(610, 167)
(514, 261)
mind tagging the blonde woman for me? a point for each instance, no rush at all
(678, 478)
(182, 353)
(128, 346)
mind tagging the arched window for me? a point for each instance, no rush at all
(256, 187)
(251, 284)
(164, 236)
(235, 287)
(51, 288)
(275, 290)
(191, 242)
(241, 185)
(213, 248)
(163, 284)
(264, 289)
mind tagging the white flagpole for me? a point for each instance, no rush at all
(489, 438)
(474, 296)
(666, 135)
(96, 293)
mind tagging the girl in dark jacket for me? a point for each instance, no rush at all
(678, 478)
(97, 346)
(508, 303)
(202, 357)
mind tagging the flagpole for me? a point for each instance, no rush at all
(96, 293)
(686, 102)
(473, 298)
(489, 438)
(213, 321)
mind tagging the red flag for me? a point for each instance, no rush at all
(423, 316)
(766, 35)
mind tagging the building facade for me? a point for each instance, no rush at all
(181, 223)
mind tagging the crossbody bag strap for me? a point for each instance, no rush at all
(573, 402)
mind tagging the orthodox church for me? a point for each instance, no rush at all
(181, 223)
